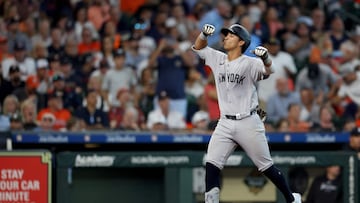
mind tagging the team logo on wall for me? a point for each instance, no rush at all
(255, 181)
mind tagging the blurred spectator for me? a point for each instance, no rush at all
(56, 46)
(200, 122)
(28, 112)
(16, 122)
(146, 43)
(130, 120)
(55, 106)
(326, 121)
(14, 83)
(309, 106)
(82, 21)
(43, 35)
(70, 99)
(121, 20)
(278, 103)
(15, 36)
(119, 77)
(11, 105)
(354, 141)
(109, 30)
(84, 71)
(71, 80)
(337, 33)
(194, 88)
(54, 64)
(106, 54)
(3, 49)
(216, 16)
(88, 43)
(295, 124)
(245, 21)
(316, 76)
(98, 13)
(4, 121)
(350, 56)
(145, 91)
(282, 125)
(95, 119)
(46, 122)
(173, 119)
(271, 24)
(318, 29)
(71, 52)
(211, 100)
(284, 67)
(327, 187)
(39, 50)
(183, 24)
(101, 71)
(157, 30)
(101, 103)
(39, 82)
(171, 68)
(347, 96)
(300, 44)
(26, 64)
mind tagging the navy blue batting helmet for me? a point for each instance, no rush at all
(239, 31)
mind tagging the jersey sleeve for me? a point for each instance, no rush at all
(211, 56)
(257, 69)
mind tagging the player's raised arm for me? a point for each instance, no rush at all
(262, 52)
(201, 40)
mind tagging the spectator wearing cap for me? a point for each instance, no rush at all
(101, 71)
(284, 68)
(88, 43)
(84, 71)
(14, 35)
(119, 77)
(200, 122)
(25, 63)
(56, 46)
(16, 122)
(95, 119)
(46, 123)
(174, 120)
(71, 99)
(39, 82)
(54, 64)
(346, 92)
(350, 56)
(171, 70)
(354, 141)
(133, 56)
(14, 83)
(106, 53)
(317, 76)
(56, 107)
(72, 82)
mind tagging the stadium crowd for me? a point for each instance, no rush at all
(73, 65)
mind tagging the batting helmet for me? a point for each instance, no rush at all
(239, 31)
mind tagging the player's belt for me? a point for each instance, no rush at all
(239, 117)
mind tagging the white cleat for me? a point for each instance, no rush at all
(297, 198)
(213, 195)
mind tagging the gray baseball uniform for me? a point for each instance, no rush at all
(238, 100)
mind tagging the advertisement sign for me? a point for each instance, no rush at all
(25, 177)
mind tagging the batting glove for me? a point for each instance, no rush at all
(262, 52)
(208, 30)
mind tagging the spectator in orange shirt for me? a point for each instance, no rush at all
(3, 48)
(55, 106)
(40, 81)
(295, 124)
(88, 44)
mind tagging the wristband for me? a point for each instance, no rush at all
(203, 36)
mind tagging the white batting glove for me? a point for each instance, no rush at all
(208, 30)
(261, 52)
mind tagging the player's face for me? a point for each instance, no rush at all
(231, 41)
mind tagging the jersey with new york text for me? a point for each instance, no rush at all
(235, 80)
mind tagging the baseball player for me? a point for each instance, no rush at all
(239, 124)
